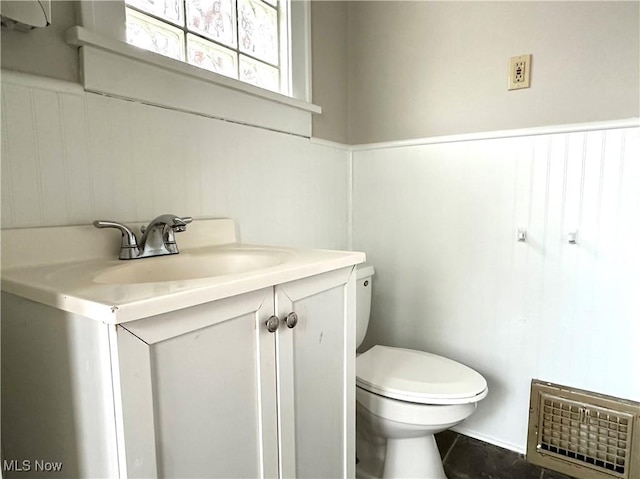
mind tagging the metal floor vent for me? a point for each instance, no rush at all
(583, 434)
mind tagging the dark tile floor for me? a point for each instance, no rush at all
(467, 458)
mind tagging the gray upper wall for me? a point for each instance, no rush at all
(424, 69)
(330, 68)
(400, 70)
(43, 51)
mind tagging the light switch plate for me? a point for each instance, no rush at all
(519, 72)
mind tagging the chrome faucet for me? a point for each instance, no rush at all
(158, 237)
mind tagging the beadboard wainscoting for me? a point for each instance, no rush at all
(439, 221)
(69, 157)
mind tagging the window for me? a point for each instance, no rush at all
(242, 39)
(112, 66)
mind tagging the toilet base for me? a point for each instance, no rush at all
(395, 439)
(416, 457)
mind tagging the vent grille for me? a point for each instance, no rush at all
(571, 429)
(594, 436)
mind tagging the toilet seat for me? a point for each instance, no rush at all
(418, 377)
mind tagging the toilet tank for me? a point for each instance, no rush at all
(364, 274)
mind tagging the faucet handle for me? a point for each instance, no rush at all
(128, 237)
(180, 224)
(129, 245)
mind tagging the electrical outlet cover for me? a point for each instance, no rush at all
(519, 72)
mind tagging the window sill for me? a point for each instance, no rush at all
(112, 67)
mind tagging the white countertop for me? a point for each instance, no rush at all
(71, 285)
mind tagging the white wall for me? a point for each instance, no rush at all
(423, 69)
(69, 157)
(439, 222)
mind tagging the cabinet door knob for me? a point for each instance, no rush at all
(272, 324)
(291, 320)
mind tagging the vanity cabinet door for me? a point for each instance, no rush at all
(316, 376)
(198, 391)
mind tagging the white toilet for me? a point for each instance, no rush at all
(404, 397)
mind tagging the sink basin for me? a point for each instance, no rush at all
(186, 266)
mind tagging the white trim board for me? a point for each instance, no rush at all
(329, 144)
(486, 135)
(492, 135)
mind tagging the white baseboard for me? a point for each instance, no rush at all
(490, 440)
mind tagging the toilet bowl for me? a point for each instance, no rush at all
(403, 398)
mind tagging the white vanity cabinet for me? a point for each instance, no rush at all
(198, 391)
(209, 392)
(166, 367)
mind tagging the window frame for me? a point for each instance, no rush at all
(109, 65)
(281, 10)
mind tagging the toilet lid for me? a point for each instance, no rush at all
(418, 377)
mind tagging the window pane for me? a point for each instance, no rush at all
(259, 74)
(258, 30)
(272, 2)
(214, 19)
(150, 34)
(212, 57)
(172, 10)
